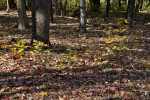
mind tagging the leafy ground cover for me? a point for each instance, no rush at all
(110, 61)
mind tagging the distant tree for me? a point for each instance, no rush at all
(141, 4)
(82, 16)
(107, 8)
(119, 3)
(130, 11)
(65, 7)
(8, 6)
(22, 16)
(95, 5)
(41, 20)
(51, 12)
(137, 6)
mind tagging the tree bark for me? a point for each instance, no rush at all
(8, 6)
(41, 20)
(82, 16)
(51, 12)
(141, 4)
(130, 11)
(137, 6)
(119, 3)
(22, 16)
(107, 8)
(65, 7)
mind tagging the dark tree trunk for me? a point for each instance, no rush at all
(119, 3)
(130, 11)
(95, 5)
(137, 6)
(65, 7)
(41, 20)
(56, 6)
(141, 4)
(51, 12)
(22, 16)
(61, 8)
(107, 8)
(82, 16)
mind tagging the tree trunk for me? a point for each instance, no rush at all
(51, 12)
(137, 6)
(141, 4)
(8, 6)
(22, 16)
(107, 8)
(61, 8)
(130, 11)
(95, 5)
(56, 7)
(41, 20)
(119, 3)
(82, 16)
(65, 7)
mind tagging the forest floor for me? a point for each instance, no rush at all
(109, 61)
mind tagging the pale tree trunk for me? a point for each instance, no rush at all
(8, 6)
(22, 16)
(41, 20)
(130, 11)
(82, 16)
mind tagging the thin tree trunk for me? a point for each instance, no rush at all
(41, 20)
(61, 8)
(137, 6)
(130, 11)
(65, 7)
(141, 4)
(82, 16)
(51, 12)
(8, 6)
(22, 16)
(119, 2)
(56, 7)
(107, 8)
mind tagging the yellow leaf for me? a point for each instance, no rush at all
(126, 21)
(19, 51)
(116, 36)
(107, 48)
(108, 40)
(31, 52)
(34, 41)
(114, 48)
(13, 49)
(43, 93)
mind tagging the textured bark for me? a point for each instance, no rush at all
(130, 11)
(41, 20)
(107, 8)
(22, 16)
(82, 16)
